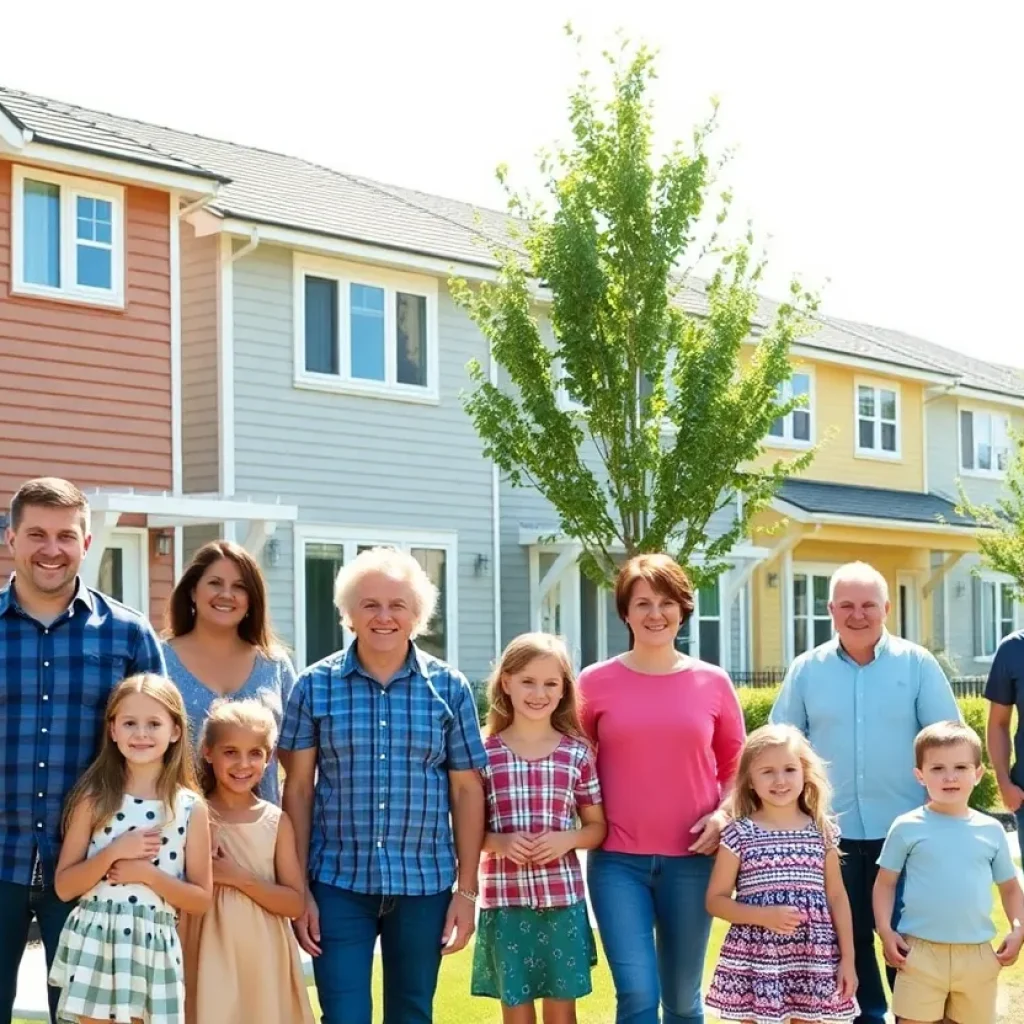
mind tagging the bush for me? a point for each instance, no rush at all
(757, 705)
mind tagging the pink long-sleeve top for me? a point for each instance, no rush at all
(667, 748)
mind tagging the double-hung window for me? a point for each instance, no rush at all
(365, 331)
(812, 621)
(323, 551)
(995, 613)
(796, 428)
(984, 442)
(878, 420)
(701, 637)
(67, 238)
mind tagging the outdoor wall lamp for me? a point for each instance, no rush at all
(163, 543)
(272, 552)
(480, 565)
(773, 580)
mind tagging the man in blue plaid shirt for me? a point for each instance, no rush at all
(382, 749)
(63, 647)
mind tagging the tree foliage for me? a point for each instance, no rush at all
(1002, 544)
(637, 419)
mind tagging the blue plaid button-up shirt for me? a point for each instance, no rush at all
(380, 810)
(54, 683)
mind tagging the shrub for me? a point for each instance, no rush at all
(757, 705)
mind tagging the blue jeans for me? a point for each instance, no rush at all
(654, 928)
(18, 905)
(410, 929)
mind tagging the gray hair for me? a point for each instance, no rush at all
(858, 572)
(396, 565)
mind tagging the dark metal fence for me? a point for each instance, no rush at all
(963, 686)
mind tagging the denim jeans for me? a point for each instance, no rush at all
(654, 928)
(18, 905)
(860, 869)
(410, 929)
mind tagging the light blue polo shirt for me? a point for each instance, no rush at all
(862, 719)
(950, 863)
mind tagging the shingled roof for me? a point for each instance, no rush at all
(262, 187)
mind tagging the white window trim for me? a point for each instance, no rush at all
(826, 569)
(978, 410)
(877, 453)
(724, 642)
(70, 188)
(307, 533)
(988, 576)
(346, 274)
(787, 440)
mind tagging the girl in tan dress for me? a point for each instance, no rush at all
(241, 959)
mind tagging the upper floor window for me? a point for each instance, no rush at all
(365, 331)
(984, 442)
(68, 238)
(878, 420)
(795, 427)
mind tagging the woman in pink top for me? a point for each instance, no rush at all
(668, 731)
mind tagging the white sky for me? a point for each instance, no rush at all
(879, 143)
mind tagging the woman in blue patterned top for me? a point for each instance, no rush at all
(219, 642)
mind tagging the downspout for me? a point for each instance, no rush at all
(496, 528)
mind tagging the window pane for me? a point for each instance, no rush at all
(709, 601)
(42, 233)
(801, 425)
(684, 638)
(111, 580)
(95, 217)
(888, 405)
(93, 267)
(800, 636)
(820, 595)
(324, 634)
(435, 640)
(888, 437)
(866, 401)
(321, 315)
(778, 428)
(866, 433)
(800, 595)
(822, 631)
(983, 440)
(711, 641)
(967, 440)
(367, 322)
(411, 327)
(800, 384)
(1006, 600)
(988, 618)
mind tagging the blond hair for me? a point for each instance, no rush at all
(946, 734)
(250, 714)
(814, 801)
(516, 656)
(396, 565)
(105, 781)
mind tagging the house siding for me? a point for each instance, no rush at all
(359, 461)
(86, 392)
(200, 426)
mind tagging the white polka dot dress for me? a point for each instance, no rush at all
(119, 957)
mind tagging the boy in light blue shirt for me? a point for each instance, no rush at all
(951, 855)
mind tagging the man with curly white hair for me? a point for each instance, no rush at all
(861, 698)
(382, 749)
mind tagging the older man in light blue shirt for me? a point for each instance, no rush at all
(861, 698)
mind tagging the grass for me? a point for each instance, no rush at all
(454, 1003)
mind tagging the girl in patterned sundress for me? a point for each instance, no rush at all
(534, 939)
(136, 851)
(789, 953)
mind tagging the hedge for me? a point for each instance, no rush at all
(757, 705)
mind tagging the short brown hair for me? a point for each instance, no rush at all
(946, 734)
(255, 627)
(49, 492)
(664, 575)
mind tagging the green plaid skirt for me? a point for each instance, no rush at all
(522, 954)
(119, 962)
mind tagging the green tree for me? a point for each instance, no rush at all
(1002, 544)
(668, 416)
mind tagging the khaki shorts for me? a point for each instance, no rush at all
(941, 979)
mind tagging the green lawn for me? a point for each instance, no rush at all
(455, 1004)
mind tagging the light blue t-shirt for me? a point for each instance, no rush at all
(951, 863)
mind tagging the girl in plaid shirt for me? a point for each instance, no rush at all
(534, 939)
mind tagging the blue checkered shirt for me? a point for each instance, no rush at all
(54, 683)
(381, 811)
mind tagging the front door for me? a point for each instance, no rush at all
(907, 617)
(121, 569)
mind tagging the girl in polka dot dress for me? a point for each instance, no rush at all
(136, 851)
